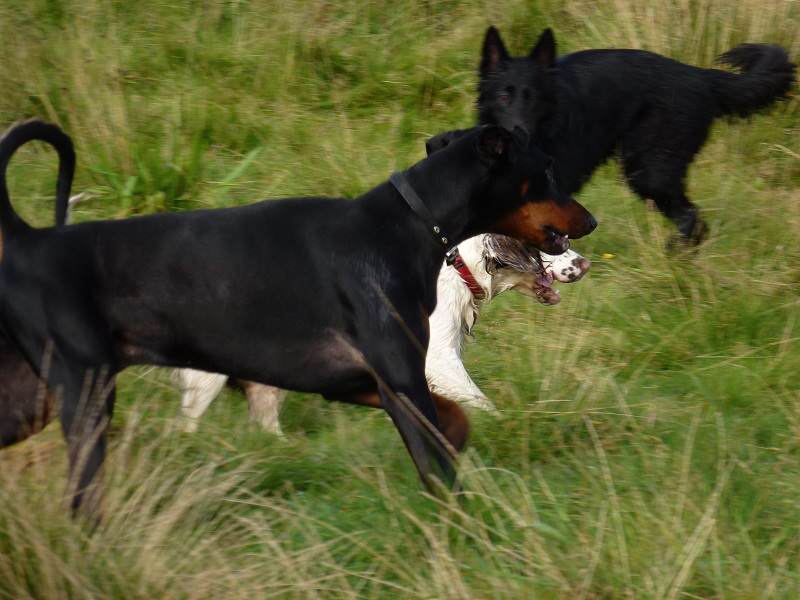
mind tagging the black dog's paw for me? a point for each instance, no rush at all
(692, 230)
(699, 232)
(680, 243)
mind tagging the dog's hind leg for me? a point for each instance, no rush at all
(264, 403)
(199, 389)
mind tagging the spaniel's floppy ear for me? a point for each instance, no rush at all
(544, 51)
(494, 52)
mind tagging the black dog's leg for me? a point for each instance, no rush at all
(80, 372)
(421, 435)
(404, 394)
(87, 403)
(419, 428)
(655, 158)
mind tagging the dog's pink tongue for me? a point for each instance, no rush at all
(546, 293)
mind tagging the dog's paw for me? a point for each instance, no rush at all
(483, 404)
(692, 230)
(189, 424)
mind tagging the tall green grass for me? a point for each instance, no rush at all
(649, 440)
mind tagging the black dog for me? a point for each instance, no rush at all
(653, 111)
(348, 318)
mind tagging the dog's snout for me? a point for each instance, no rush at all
(580, 221)
(582, 264)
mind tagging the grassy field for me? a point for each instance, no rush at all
(649, 441)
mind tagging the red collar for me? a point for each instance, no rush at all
(454, 260)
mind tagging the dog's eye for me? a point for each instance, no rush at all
(504, 97)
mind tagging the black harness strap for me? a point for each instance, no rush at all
(415, 203)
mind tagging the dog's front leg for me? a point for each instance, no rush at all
(448, 378)
(433, 457)
(399, 372)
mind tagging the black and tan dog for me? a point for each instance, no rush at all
(198, 289)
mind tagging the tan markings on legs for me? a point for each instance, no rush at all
(199, 391)
(264, 403)
(453, 421)
(370, 399)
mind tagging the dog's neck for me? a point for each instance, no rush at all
(447, 197)
(493, 284)
(458, 308)
(472, 253)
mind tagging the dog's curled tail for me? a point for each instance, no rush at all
(766, 75)
(18, 135)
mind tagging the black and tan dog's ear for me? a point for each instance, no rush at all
(442, 140)
(494, 144)
(543, 52)
(494, 51)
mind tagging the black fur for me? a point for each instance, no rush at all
(654, 112)
(25, 405)
(311, 294)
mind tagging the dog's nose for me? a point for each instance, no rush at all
(582, 264)
(592, 223)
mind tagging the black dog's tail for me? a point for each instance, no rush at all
(766, 75)
(18, 135)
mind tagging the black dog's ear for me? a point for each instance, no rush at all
(439, 141)
(442, 140)
(494, 144)
(494, 51)
(544, 52)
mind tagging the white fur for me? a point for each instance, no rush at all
(455, 314)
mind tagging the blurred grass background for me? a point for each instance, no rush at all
(649, 441)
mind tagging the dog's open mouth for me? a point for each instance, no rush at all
(543, 278)
(543, 284)
(502, 252)
(558, 241)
